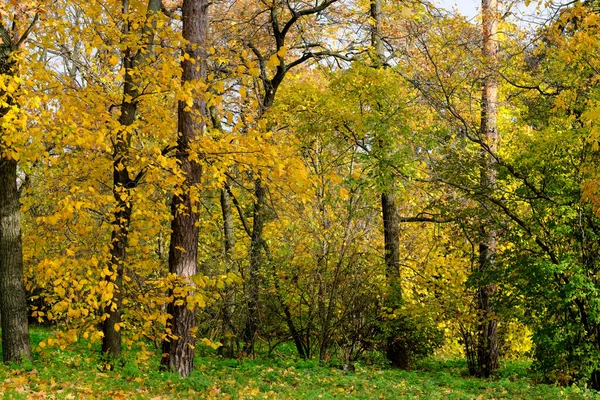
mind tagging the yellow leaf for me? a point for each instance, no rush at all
(73, 313)
(336, 179)
(282, 52)
(273, 61)
(344, 195)
(59, 290)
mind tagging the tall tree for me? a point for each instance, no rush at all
(13, 305)
(282, 18)
(487, 341)
(123, 183)
(396, 350)
(178, 346)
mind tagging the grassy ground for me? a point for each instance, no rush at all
(74, 375)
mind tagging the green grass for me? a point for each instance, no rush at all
(77, 373)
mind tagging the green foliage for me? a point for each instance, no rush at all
(335, 139)
(67, 374)
(413, 327)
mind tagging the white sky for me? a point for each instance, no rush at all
(470, 8)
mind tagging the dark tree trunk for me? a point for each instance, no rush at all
(397, 353)
(324, 316)
(302, 348)
(270, 86)
(228, 228)
(178, 347)
(123, 184)
(391, 233)
(13, 304)
(228, 338)
(256, 260)
(595, 380)
(111, 342)
(487, 337)
(227, 349)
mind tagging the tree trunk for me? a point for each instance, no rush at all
(391, 233)
(123, 184)
(397, 353)
(270, 86)
(376, 39)
(256, 260)
(13, 304)
(111, 342)
(178, 346)
(229, 243)
(228, 338)
(487, 338)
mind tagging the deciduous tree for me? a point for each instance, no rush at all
(178, 345)
(16, 23)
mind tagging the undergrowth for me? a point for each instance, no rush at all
(79, 372)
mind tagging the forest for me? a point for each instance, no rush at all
(299, 199)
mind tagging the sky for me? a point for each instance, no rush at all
(470, 8)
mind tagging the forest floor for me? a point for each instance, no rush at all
(63, 374)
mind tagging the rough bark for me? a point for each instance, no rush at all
(111, 342)
(397, 353)
(487, 338)
(178, 346)
(123, 184)
(13, 304)
(228, 228)
(227, 349)
(391, 233)
(376, 38)
(256, 260)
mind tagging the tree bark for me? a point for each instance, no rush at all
(397, 353)
(376, 38)
(111, 341)
(123, 184)
(391, 233)
(13, 303)
(487, 338)
(178, 346)
(256, 260)
(227, 349)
